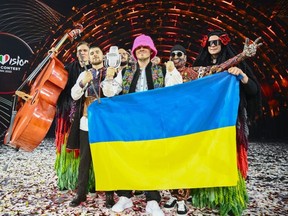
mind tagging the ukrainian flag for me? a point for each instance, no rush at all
(182, 136)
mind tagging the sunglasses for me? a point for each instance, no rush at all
(215, 42)
(178, 53)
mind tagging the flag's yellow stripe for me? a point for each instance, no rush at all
(205, 159)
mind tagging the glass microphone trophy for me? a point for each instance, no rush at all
(112, 58)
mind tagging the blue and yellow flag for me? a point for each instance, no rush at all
(182, 136)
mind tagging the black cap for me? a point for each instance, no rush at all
(178, 47)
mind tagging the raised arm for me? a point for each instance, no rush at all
(249, 50)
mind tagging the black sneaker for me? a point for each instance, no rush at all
(170, 203)
(181, 208)
(189, 199)
(109, 201)
(77, 201)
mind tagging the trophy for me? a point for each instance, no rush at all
(112, 58)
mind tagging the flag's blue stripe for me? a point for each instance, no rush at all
(200, 105)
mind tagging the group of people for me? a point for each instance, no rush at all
(89, 80)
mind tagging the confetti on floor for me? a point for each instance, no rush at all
(28, 186)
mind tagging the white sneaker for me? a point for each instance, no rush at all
(153, 208)
(122, 204)
(171, 203)
(181, 208)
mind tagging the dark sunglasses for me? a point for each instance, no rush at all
(215, 42)
(178, 53)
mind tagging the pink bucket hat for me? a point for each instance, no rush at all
(144, 40)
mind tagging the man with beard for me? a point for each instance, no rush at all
(145, 77)
(179, 57)
(84, 89)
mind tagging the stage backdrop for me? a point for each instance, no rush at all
(14, 56)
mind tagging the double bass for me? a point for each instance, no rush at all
(30, 124)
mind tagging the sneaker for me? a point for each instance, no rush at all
(153, 208)
(122, 204)
(181, 208)
(109, 201)
(170, 203)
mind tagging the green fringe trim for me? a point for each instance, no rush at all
(232, 200)
(66, 167)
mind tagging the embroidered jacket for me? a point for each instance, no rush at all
(127, 80)
(155, 78)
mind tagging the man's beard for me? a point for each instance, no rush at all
(97, 62)
(123, 63)
(180, 63)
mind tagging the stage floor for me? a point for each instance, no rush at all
(28, 187)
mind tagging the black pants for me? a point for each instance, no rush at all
(84, 165)
(150, 195)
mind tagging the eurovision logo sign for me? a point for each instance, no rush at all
(11, 61)
(14, 59)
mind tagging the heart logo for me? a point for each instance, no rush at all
(4, 59)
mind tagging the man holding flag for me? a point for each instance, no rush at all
(145, 77)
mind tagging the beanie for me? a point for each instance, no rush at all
(178, 47)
